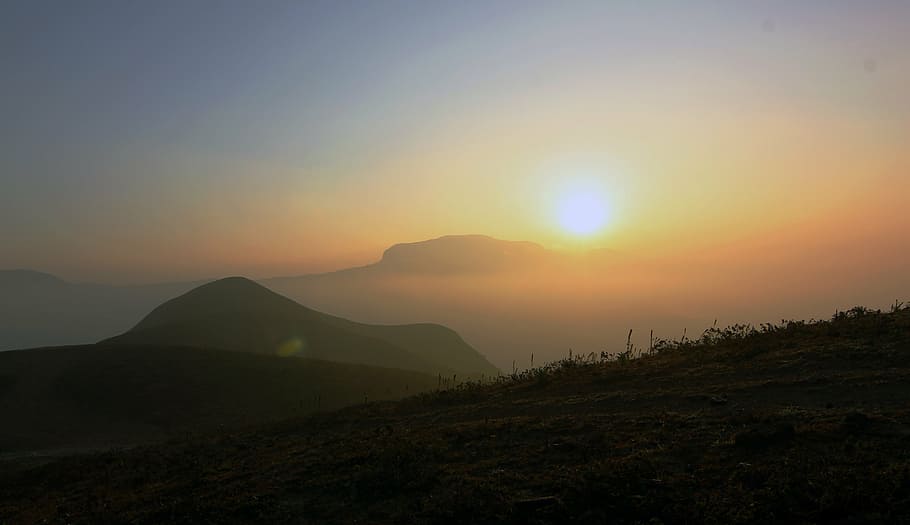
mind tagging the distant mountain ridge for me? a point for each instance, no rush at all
(462, 253)
(23, 277)
(236, 313)
(38, 309)
(470, 254)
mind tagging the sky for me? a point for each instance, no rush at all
(153, 141)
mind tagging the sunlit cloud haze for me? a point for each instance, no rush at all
(755, 154)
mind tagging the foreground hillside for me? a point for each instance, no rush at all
(800, 423)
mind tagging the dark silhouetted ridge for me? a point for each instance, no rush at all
(238, 314)
(228, 296)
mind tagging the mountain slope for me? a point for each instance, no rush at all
(238, 314)
(97, 396)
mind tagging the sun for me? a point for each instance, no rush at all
(582, 196)
(582, 211)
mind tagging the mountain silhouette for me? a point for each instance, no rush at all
(238, 314)
(426, 281)
(28, 278)
(447, 255)
(39, 309)
(462, 253)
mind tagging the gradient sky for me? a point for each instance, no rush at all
(147, 141)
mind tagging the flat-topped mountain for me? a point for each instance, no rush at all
(446, 256)
(463, 253)
(238, 314)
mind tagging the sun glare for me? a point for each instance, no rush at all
(579, 192)
(582, 212)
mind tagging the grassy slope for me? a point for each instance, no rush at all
(98, 395)
(804, 424)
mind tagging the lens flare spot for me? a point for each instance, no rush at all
(291, 347)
